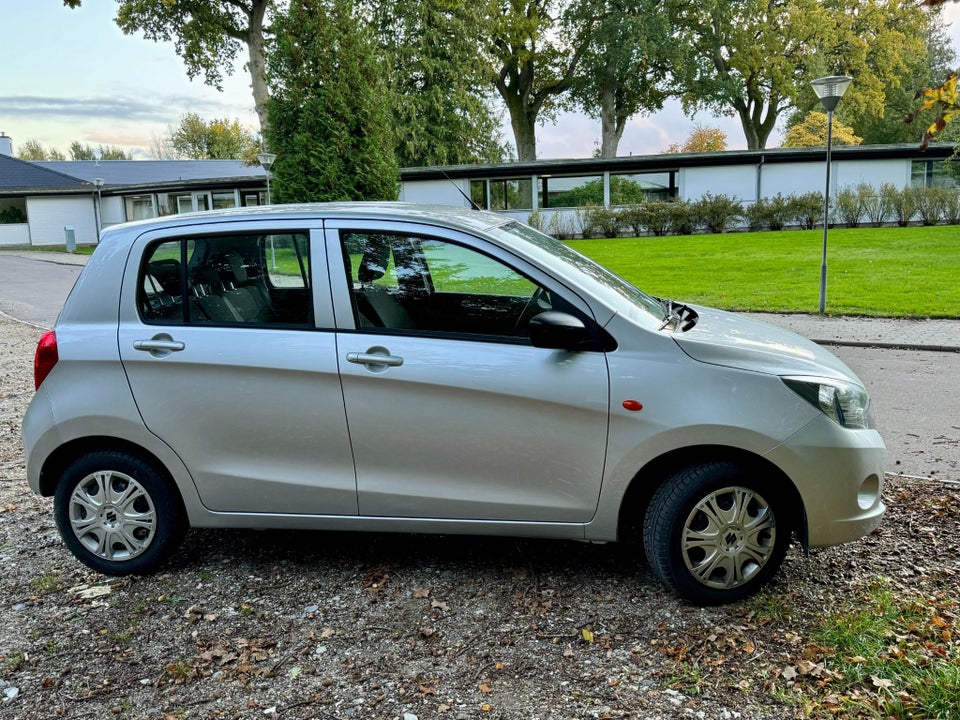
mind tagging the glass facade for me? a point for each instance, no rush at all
(934, 173)
(641, 187)
(571, 192)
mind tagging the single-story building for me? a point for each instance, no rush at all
(560, 186)
(39, 199)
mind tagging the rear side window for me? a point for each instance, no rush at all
(260, 280)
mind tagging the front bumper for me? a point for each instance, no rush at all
(839, 475)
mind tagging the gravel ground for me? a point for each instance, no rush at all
(247, 624)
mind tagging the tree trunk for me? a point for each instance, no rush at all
(257, 64)
(611, 126)
(524, 135)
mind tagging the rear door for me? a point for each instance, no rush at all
(226, 339)
(452, 413)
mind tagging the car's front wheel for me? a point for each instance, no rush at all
(715, 534)
(118, 512)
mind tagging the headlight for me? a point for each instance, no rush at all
(845, 403)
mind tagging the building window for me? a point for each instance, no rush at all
(934, 173)
(569, 192)
(478, 193)
(641, 187)
(226, 199)
(512, 194)
(139, 207)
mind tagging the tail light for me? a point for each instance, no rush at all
(45, 358)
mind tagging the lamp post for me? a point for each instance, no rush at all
(829, 89)
(266, 160)
(98, 184)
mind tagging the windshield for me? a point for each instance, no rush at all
(612, 286)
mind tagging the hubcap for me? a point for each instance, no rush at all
(728, 537)
(112, 515)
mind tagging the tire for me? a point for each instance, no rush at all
(715, 534)
(118, 513)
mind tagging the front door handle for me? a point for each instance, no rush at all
(159, 345)
(376, 359)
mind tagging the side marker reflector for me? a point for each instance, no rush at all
(633, 405)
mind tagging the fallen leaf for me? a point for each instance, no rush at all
(587, 635)
(789, 673)
(484, 688)
(426, 690)
(421, 593)
(442, 708)
(440, 605)
(486, 708)
(881, 682)
(327, 633)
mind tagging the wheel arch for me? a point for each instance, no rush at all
(655, 473)
(61, 458)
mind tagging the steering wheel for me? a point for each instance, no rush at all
(532, 309)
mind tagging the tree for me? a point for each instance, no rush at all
(755, 58)
(330, 122)
(533, 62)
(812, 132)
(439, 82)
(941, 101)
(79, 151)
(219, 139)
(33, 150)
(701, 139)
(208, 36)
(626, 64)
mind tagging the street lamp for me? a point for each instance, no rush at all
(266, 160)
(829, 89)
(98, 184)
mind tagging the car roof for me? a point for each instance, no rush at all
(451, 216)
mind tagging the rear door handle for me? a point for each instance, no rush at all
(159, 345)
(376, 359)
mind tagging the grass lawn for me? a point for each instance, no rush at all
(891, 272)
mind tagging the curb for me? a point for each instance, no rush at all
(889, 346)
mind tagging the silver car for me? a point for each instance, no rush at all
(405, 368)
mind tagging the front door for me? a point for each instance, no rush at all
(452, 413)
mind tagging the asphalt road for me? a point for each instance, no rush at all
(34, 291)
(913, 391)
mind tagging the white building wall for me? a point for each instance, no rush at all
(435, 192)
(736, 181)
(791, 178)
(873, 172)
(111, 211)
(48, 216)
(14, 234)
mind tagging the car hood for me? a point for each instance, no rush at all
(738, 341)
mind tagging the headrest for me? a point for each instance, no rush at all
(236, 265)
(376, 257)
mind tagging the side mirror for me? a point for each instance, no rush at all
(560, 331)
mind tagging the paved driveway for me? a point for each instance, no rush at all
(33, 290)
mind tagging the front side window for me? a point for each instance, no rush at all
(261, 279)
(409, 283)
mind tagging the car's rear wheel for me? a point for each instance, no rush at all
(716, 534)
(118, 512)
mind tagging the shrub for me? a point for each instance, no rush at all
(536, 220)
(806, 209)
(902, 203)
(598, 221)
(951, 210)
(561, 226)
(931, 204)
(717, 212)
(12, 216)
(768, 213)
(683, 217)
(632, 216)
(656, 216)
(876, 204)
(848, 206)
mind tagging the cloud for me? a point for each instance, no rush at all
(109, 108)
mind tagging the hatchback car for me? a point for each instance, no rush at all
(406, 368)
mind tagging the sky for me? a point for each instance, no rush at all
(70, 75)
